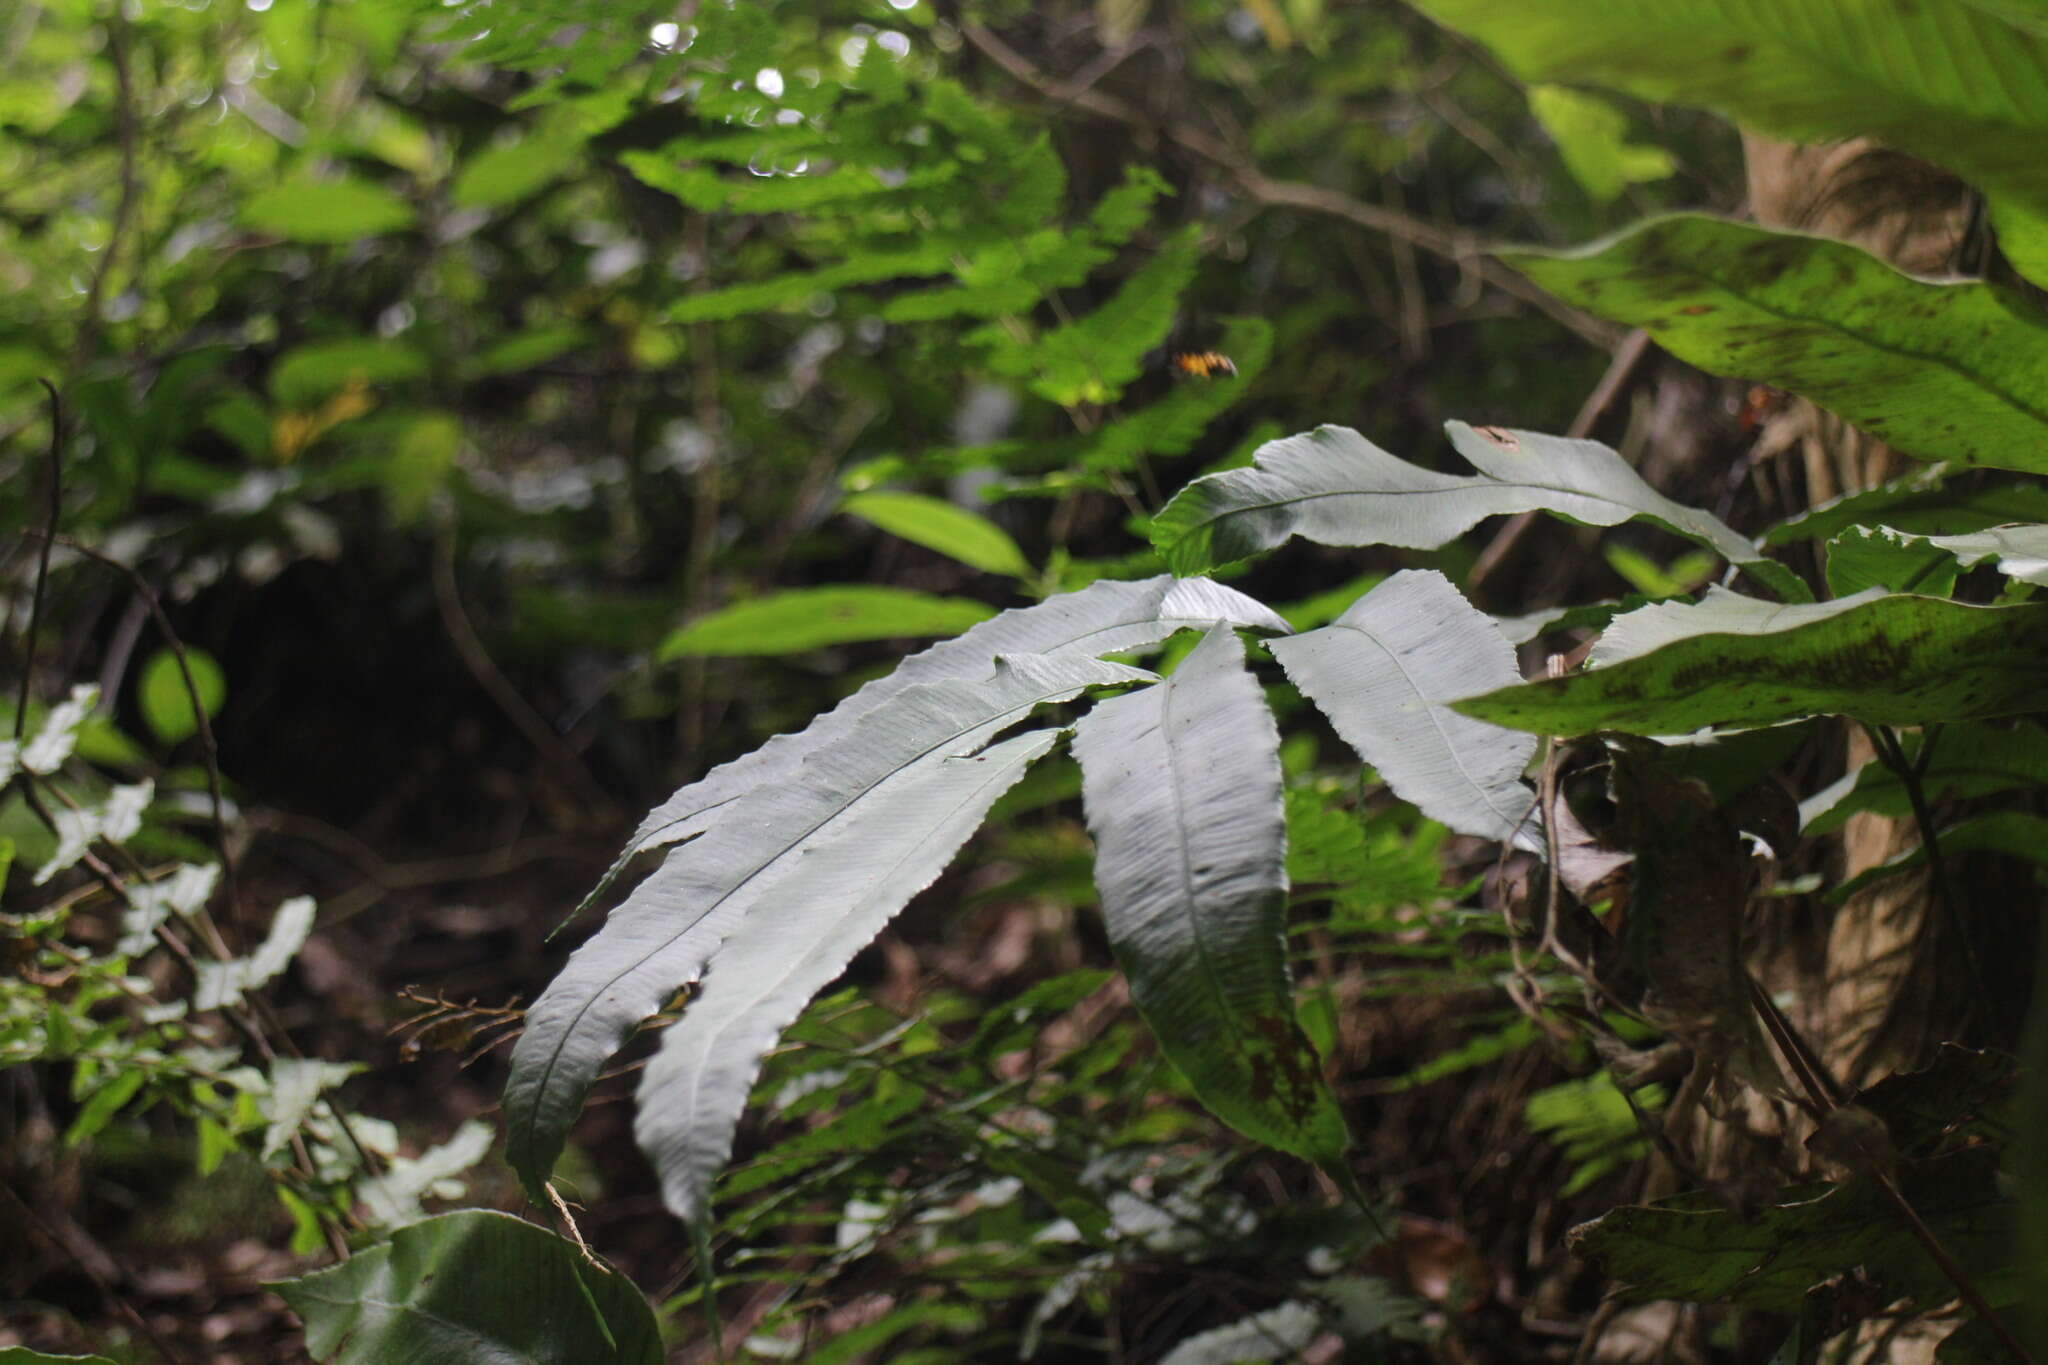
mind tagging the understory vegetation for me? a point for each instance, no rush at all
(1312, 683)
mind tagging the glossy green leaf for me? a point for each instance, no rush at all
(811, 618)
(950, 529)
(1182, 787)
(1942, 371)
(1335, 487)
(473, 1288)
(327, 211)
(1382, 672)
(166, 702)
(1961, 84)
(838, 898)
(1890, 660)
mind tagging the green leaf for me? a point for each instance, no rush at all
(473, 1288)
(939, 525)
(811, 618)
(1969, 760)
(327, 211)
(1941, 371)
(1335, 487)
(798, 287)
(2023, 238)
(1878, 557)
(1925, 502)
(22, 1355)
(421, 458)
(1382, 672)
(306, 374)
(847, 887)
(1958, 84)
(525, 350)
(105, 1102)
(510, 171)
(1731, 660)
(1174, 423)
(165, 701)
(1182, 787)
(1090, 361)
(1692, 1248)
(1592, 138)
(662, 937)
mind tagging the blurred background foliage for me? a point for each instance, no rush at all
(522, 407)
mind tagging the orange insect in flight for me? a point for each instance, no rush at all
(1204, 365)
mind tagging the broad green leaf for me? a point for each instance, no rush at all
(473, 1288)
(1942, 371)
(1926, 502)
(1888, 660)
(296, 1084)
(662, 936)
(327, 211)
(1182, 787)
(842, 892)
(1958, 84)
(1692, 1247)
(1865, 557)
(22, 1355)
(1592, 138)
(1335, 487)
(811, 618)
(104, 1102)
(511, 171)
(2014, 833)
(1969, 760)
(306, 374)
(2023, 238)
(939, 525)
(1382, 672)
(165, 700)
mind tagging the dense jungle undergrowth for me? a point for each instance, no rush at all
(1317, 682)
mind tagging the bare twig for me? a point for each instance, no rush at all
(1456, 245)
(124, 207)
(35, 611)
(470, 646)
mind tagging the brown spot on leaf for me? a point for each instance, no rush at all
(1501, 437)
